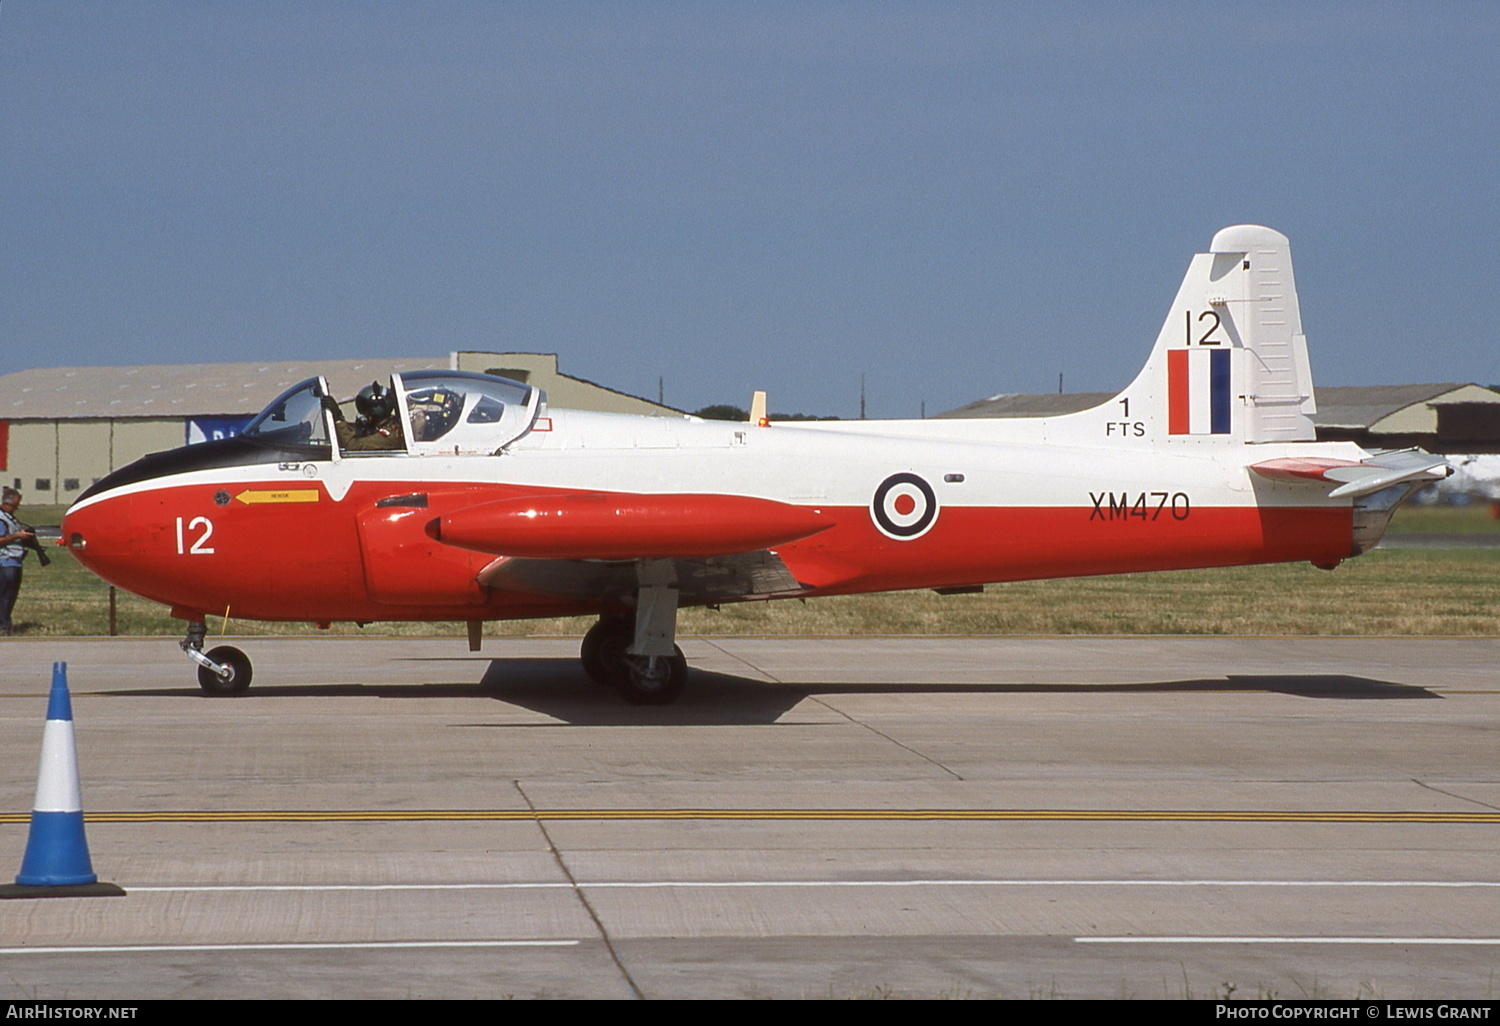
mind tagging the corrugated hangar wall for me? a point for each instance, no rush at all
(50, 462)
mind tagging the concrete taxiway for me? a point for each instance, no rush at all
(1081, 817)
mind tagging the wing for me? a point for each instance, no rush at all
(700, 581)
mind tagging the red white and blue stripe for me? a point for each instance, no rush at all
(56, 853)
(1198, 392)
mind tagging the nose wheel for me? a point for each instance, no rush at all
(233, 675)
(224, 670)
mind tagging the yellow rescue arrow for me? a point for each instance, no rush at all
(249, 497)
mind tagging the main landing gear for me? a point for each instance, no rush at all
(225, 670)
(637, 655)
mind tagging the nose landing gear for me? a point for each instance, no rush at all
(225, 670)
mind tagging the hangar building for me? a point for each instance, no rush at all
(63, 428)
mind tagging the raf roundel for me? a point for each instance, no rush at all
(904, 507)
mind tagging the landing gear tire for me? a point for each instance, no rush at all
(603, 650)
(238, 665)
(653, 680)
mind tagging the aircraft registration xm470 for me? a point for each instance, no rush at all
(484, 504)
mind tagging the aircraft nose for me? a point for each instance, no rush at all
(101, 533)
(77, 530)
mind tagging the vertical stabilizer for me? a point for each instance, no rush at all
(1231, 362)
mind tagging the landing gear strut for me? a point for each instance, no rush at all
(223, 671)
(639, 659)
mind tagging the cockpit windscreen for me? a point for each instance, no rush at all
(293, 418)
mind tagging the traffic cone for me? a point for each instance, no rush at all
(56, 863)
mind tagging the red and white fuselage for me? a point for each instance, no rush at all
(1206, 459)
(307, 541)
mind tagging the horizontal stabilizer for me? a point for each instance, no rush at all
(623, 525)
(1353, 479)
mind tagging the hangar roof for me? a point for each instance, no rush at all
(242, 389)
(181, 390)
(1393, 408)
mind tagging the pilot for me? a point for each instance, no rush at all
(434, 411)
(377, 426)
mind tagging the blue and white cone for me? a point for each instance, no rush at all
(56, 853)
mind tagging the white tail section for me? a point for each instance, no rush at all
(1279, 399)
(1230, 364)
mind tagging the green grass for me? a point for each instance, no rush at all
(1478, 518)
(1428, 591)
(1409, 592)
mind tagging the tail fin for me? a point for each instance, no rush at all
(1231, 362)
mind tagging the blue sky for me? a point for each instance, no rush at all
(954, 199)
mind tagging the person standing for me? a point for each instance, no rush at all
(13, 538)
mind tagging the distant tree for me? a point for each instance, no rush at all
(725, 411)
(722, 411)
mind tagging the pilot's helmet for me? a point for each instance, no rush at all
(374, 402)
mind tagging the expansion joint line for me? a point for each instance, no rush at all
(562, 864)
(882, 734)
(743, 661)
(1450, 794)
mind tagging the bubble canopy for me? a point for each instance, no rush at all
(458, 412)
(452, 412)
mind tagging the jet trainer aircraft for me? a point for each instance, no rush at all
(484, 504)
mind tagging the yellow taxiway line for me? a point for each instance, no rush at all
(830, 815)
